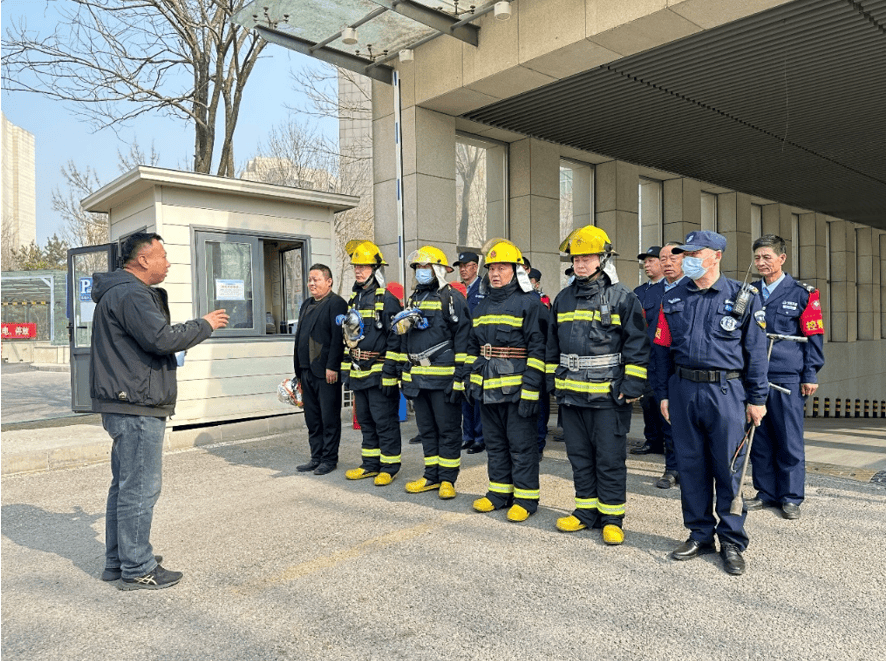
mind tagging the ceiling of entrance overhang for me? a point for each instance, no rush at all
(384, 27)
(788, 104)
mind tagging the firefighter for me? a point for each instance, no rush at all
(506, 353)
(372, 369)
(598, 350)
(436, 325)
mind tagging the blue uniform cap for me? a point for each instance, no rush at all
(534, 274)
(652, 251)
(466, 258)
(702, 239)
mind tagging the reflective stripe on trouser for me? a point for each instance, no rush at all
(596, 445)
(778, 454)
(379, 421)
(439, 425)
(512, 455)
(708, 421)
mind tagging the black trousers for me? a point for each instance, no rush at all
(439, 425)
(322, 416)
(379, 421)
(512, 453)
(596, 443)
(653, 423)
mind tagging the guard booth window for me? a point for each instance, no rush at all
(258, 280)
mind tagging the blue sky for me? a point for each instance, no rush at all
(60, 136)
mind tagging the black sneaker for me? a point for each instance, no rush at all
(156, 579)
(113, 573)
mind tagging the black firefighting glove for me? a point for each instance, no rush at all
(528, 408)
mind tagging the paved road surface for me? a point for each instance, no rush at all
(281, 565)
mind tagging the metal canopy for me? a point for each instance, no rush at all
(384, 27)
(788, 104)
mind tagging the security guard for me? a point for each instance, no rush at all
(598, 340)
(372, 369)
(506, 352)
(793, 309)
(712, 328)
(650, 293)
(436, 324)
(472, 426)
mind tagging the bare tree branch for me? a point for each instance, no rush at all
(115, 60)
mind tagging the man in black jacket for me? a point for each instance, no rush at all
(133, 386)
(317, 359)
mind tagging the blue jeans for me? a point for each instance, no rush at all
(136, 477)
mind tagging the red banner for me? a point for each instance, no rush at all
(19, 331)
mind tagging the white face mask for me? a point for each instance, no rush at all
(692, 268)
(424, 276)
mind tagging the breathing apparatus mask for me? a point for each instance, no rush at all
(404, 321)
(351, 326)
(289, 392)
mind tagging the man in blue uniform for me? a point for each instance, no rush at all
(371, 370)
(650, 293)
(710, 339)
(778, 455)
(597, 353)
(506, 354)
(472, 425)
(673, 277)
(544, 317)
(436, 327)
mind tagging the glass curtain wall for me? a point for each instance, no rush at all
(576, 200)
(480, 190)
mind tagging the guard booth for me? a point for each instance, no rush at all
(234, 244)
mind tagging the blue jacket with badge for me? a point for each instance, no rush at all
(474, 295)
(696, 328)
(650, 296)
(792, 362)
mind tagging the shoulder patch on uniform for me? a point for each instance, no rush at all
(753, 289)
(805, 286)
(760, 318)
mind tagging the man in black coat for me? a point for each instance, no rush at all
(317, 359)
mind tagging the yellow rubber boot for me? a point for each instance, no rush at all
(517, 513)
(570, 524)
(359, 474)
(383, 479)
(483, 505)
(613, 535)
(420, 485)
(447, 491)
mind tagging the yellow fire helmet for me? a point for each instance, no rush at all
(364, 253)
(587, 240)
(503, 252)
(429, 255)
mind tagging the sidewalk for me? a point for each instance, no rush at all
(40, 432)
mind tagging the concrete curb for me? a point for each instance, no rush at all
(96, 446)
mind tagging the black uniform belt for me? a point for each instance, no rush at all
(488, 351)
(359, 354)
(706, 376)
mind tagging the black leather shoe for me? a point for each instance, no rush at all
(691, 548)
(311, 465)
(667, 480)
(476, 447)
(557, 436)
(415, 440)
(324, 468)
(733, 563)
(466, 445)
(646, 449)
(790, 511)
(756, 504)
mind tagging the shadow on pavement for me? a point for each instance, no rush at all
(66, 534)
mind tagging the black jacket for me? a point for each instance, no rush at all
(384, 370)
(322, 336)
(132, 370)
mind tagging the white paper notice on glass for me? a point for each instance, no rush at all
(87, 309)
(230, 290)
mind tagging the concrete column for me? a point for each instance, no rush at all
(843, 317)
(682, 208)
(534, 190)
(882, 263)
(617, 199)
(428, 177)
(865, 282)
